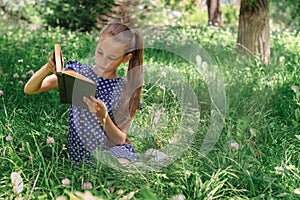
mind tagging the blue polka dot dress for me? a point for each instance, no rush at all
(86, 135)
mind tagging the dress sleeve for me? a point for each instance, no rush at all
(73, 65)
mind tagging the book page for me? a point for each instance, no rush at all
(77, 75)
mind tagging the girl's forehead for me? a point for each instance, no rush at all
(110, 46)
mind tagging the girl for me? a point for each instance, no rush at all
(105, 125)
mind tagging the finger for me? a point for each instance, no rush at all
(51, 67)
(99, 102)
(90, 104)
(88, 101)
(52, 55)
(93, 98)
(50, 61)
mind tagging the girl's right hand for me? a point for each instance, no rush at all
(41, 81)
(51, 63)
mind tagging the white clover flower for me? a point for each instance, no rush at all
(66, 181)
(111, 189)
(17, 182)
(16, 75)
(297, 191)
(20, 83)
(234, 145)
(279, 170)
(50, 140)
(87, 186)
(179, 197)
(8, 138)
(281, 59)
(31, 72)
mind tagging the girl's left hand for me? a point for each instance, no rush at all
(96, 106)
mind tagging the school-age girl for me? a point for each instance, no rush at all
(104, 126)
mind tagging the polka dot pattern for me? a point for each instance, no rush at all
(86, 134)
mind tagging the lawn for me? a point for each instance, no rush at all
(256, 155)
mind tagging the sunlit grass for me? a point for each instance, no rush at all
(261, 118)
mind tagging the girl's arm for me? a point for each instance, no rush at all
(42, 81)
(113, 132)
(116, 135)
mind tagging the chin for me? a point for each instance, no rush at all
(99, 70)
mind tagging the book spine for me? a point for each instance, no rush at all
(58, 58)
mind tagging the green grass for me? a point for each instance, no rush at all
(262, 115)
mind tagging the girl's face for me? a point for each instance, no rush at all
(109, 55)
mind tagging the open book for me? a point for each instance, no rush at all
(72, 85)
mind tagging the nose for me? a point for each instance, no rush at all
(101, 62)
(105, 62)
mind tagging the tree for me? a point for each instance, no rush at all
(214, 13)
(254, 28)
(124, 11)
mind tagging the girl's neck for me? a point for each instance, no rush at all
(115, 76)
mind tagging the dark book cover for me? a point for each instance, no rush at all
(72, 86)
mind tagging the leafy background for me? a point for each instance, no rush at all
(262, 109)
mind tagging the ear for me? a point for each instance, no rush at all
(127, 58)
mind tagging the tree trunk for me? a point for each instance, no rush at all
(254, 28)
(214, 13)
(121, 13)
